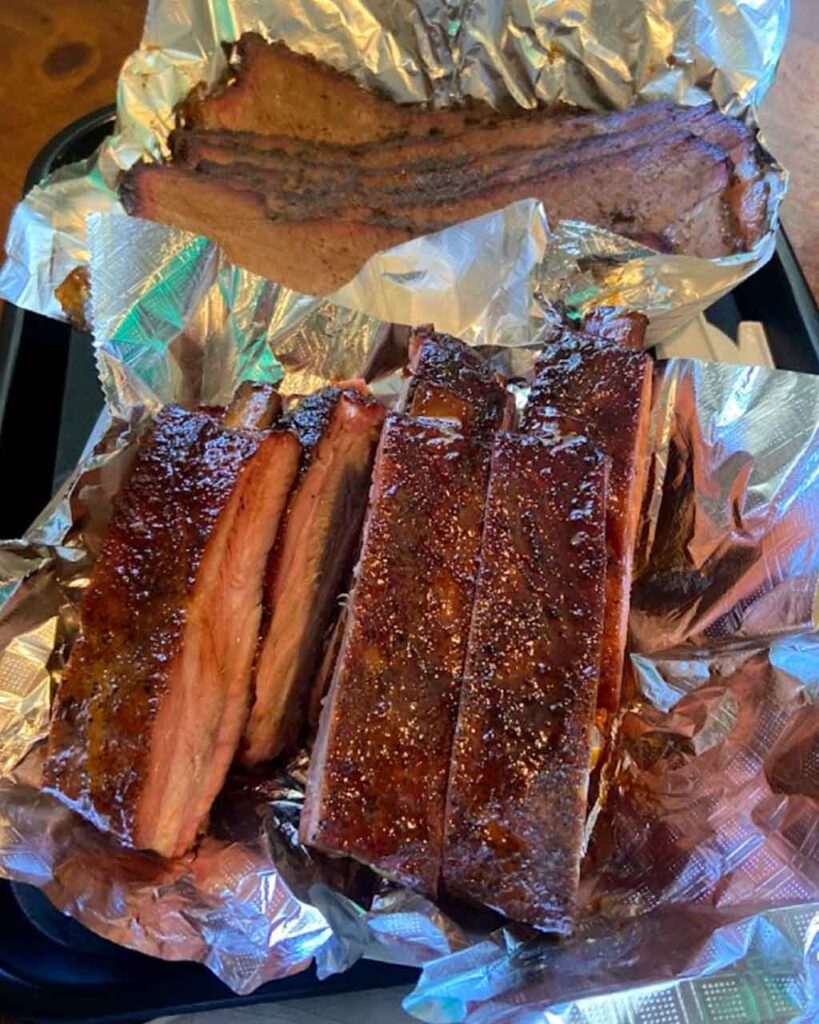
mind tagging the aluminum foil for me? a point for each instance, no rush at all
(596, 54)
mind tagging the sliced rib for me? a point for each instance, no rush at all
(378, 771)
(151, 708)
(450, 380)
(517, 789)
(607, 389)
(254, 406)
(338, 430)
(626, 327)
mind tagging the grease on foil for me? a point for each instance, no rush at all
(708, 835)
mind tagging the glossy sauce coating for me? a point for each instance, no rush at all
(626, 327)
(255, 406)
(607, 389)
(518, 782)
(136, 609)
(379, 768)
(452, 381)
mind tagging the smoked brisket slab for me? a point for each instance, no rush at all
(338, 430)
(312, 183)
(639, 192)
(302, 175)
(542, 130)
(607, 390)
(378, 771)
(520, 765)
(274, 90)
(149, 714)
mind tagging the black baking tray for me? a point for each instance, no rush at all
(51, 968)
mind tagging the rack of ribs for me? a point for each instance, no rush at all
(606, 388)
(149, 714)
(516, 799)
(338, 429)
(377, 781)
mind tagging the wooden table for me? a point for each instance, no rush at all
(61, 59)
(790, 122)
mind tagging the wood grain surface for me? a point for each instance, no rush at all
(59, 59)
(790, 121)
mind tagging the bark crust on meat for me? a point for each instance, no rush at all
(379, 768)
(606, 389)
(645, 192)
(275, 90)
(150, 711)
(520, 766)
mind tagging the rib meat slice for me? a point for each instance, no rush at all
(254, 406)
(517, 790)
(378, 771)
(338, 430)
(151, 709)
(607, 389)
(450, 380)
(626, 327)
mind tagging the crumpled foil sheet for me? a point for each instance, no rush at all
(596, 54)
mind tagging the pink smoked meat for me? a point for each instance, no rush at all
(149, 714)
(338, 430)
